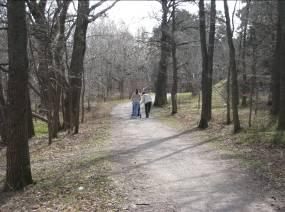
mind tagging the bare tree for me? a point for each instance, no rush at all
(161, 81)
(233, 70)
(18, 172)
(281, 118)
(84, 17)
(275, 72)
(243, 39)
(205, 80)
(174, 60)
(211, 48)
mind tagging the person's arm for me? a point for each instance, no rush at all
(142, 100)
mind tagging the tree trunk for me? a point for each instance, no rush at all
(253, 84)
(228, 121)
(211, 49)
(18, 173)
(3, 119)
(244, 76)
(121, 88)
(29, 117)
(83, 98)
(235, 96)
(275, 73)
(205, 88)
(174, 61)
(281, 118)
(161, 81)
(77, 60)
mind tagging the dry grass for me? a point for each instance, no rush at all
(70, 174)
(259, 148)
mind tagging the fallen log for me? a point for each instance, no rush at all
(35, 115)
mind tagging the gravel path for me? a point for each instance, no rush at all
(160, 169)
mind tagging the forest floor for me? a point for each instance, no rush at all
(163, 164)
(158, 165)
(69, 174)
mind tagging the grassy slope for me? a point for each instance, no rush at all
(260, 148)
(69, 174)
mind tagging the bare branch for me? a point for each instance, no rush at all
(102, 12)
(96, 5)
(35, 115)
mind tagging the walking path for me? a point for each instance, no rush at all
(160, 169)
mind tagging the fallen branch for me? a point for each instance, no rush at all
(39, 117)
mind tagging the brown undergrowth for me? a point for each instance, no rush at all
(69, 174)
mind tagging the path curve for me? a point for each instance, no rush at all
(160, 169)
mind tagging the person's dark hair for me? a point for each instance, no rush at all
(137, 91)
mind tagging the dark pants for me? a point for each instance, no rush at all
(147, 107)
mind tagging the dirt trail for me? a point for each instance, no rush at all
(160, 169)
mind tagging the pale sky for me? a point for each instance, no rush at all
(137, 14)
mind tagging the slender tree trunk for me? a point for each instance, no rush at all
(121, 88)
(253, 84)
(281, 118)
(161, 81)
(77, 60)
(244, 76)
(211, 48)
(3, 119)
(88, 104)
(18, 173)
(275, 73)
(83, 97)
(59, 72)
(49, 113)
(205, 88)
(174, 61)
(29, 117)
(235, 96)
(229, 97)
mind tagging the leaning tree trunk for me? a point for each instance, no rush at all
(174, 62)
(281, 118)
(211, 48)
(235, 96)
(18, 172)
(205, 88)
(77, 60)
(161, 81)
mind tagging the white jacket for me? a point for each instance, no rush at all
(146, 98)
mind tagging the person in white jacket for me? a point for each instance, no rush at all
(147, 101)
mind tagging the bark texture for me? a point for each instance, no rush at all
(205, 80)
(235, 95)
(174, 62)
(281, 118)
(18, 173)
(275, 73)
(77, 60)
(211, 48)
(161, 81)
